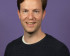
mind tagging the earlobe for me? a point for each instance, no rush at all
(18, 14)
(44, 13)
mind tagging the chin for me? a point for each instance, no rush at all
(30, 32)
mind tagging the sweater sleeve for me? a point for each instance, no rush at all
(63, 51)
(8, 50)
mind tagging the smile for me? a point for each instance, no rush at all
(30, 24)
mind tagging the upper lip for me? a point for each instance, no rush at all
(30, 22)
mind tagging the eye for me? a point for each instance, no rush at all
(25, 11)
(36, 11)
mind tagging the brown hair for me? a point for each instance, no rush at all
(44, 4)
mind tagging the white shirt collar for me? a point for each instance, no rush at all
(24, 40)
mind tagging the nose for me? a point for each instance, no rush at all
(30, 16)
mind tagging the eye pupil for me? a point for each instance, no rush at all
(25, 11)
(36, 11)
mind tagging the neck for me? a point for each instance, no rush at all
(34, 37)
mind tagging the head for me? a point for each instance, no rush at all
(31, 13)
(44, 4)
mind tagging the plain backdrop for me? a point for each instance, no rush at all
(56, 22)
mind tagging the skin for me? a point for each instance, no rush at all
(31, 16)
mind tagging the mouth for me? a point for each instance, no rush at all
(30, 24)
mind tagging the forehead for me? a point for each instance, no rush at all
(31, 4)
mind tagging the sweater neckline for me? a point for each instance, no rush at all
(37, 43)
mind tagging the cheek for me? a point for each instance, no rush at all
(39, 17)
(23, 17)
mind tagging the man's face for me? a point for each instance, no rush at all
(31, 15)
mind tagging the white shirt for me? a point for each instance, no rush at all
(24, 40)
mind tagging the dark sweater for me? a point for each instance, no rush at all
(48, 46)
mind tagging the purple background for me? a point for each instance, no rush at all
(56, 22)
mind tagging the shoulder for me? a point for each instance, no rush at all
(13, 45)
(15, 42)
(53, 41)
(59, 47)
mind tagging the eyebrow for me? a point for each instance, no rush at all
(33, 9)
(36, 9)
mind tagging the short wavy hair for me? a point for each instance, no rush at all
(44, 4)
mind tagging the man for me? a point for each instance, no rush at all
(34, 42)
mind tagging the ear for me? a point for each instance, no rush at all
(44, 12)
(18, 13)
